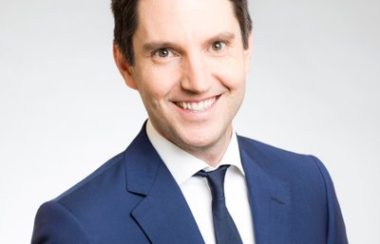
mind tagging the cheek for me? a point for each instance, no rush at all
(155, 82)
(232, 77)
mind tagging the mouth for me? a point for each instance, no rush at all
(199, 106)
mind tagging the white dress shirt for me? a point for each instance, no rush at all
(196, 191)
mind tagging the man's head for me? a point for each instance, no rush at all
(190, 62)
(126, 21)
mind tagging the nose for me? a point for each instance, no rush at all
(195, 74)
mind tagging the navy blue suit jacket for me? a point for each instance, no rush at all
(133, 198)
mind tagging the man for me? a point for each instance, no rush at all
(189, 60)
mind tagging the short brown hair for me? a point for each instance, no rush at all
(126, 19)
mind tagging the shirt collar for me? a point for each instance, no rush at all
(183, 165)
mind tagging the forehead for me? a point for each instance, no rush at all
(185, 18)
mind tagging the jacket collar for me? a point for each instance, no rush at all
(269, 196)
(163, 213)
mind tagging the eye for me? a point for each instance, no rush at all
(162, 53)
(218, 45)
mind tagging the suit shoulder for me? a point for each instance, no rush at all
(281, 162)
(109, 168)
(95, 208)
(265, 149)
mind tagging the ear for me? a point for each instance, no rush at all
(124, 67)
(248, 53)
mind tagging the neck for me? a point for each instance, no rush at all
(214, 153)
(211, 154)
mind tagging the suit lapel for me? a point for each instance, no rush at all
(163, 213)
(269, 198)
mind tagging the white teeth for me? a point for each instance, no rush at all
(197, 106)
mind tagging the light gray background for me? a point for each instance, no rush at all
(64, 110)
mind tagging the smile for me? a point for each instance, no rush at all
(197, 106)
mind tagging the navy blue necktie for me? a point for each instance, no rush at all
(224, 226)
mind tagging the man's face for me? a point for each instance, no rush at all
(190, 68)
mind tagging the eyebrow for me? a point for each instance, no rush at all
(151, 46)
(154, 45)
(227, 36)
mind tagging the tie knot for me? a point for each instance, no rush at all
(215, 180)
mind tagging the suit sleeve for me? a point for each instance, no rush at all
(336, 229)
(55, 224)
